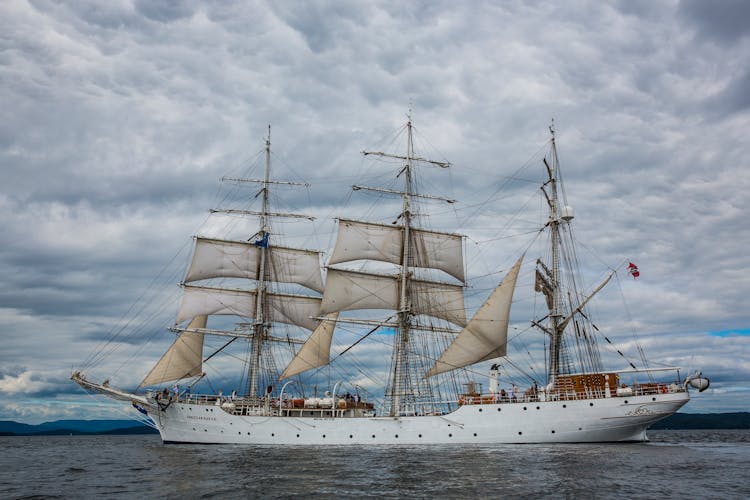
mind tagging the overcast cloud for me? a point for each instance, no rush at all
(118, 118)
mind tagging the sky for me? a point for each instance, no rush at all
(119, 118)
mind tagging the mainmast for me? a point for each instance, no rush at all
(401, 341)
(260, 327)
(406, 246)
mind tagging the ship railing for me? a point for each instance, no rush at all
(248, 406)
(644, 389)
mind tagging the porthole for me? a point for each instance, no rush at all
(324, 436)
(373, 436)
(248, 433)
(240, 433)
(591, 404)
(537, 407)
(475, 434)
(499, 409)
(653, 399)
(580, 429)
(419, 435)
(524, 408)
(520, 433)
(565, 406)
(350, 436)
(626, 401)
(480, 410)
(297, 435)
(396, 436)
(272, 434)
(450, 435)
(553, 431)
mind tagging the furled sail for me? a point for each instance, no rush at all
(348, 290)
(358, 240)
(316, 350)
(486, 335)
(283, 308)
(183, 358)
(239, 259)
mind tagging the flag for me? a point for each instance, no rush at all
(262, 242)
(139, 408)
(633, 270)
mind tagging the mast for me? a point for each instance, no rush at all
(549, 279)
(408, 247)
(260, 327)
(554, 222)
(401, 341)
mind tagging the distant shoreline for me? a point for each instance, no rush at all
(678, 421)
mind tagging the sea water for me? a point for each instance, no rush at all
(674, 464)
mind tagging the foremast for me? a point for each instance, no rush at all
(260, 328)
(259, 261)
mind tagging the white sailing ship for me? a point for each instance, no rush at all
(431, 396)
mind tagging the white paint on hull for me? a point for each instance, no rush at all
(573, 421)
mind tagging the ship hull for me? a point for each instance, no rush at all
(572, 421)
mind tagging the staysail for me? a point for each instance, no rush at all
(486, 335)
(316, 351)
(183, 359)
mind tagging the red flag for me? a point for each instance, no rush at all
(633, 270)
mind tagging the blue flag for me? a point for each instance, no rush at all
(263, 243)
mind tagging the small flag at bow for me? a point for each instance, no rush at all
(633, 270)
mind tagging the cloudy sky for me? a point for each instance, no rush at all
(119, 118)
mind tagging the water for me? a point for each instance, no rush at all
(692, 464)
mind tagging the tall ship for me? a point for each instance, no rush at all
(394, 280)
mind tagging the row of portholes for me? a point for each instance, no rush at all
(351, 436)
(539, 408)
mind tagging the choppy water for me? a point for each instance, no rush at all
(687, 464)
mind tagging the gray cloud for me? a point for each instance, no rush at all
(119, 118)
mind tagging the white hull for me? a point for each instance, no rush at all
(572, 421)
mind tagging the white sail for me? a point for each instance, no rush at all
(316, 351)
(486, 335)
(197, 300)
(444, 251)
(348, 290)
(358, 240)
(297, 310)
(240, 259)
(282, 308)
(184, 358)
